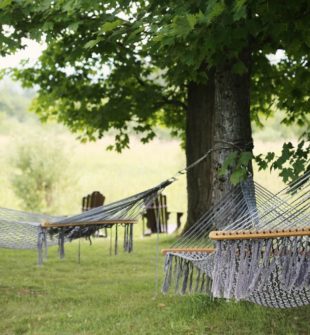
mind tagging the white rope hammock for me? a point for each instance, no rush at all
(253, 245)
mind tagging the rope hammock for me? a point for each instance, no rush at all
(253, 245)
(23, 230)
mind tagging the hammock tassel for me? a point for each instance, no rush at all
(126, 238)
(218, 271)
(61, 244)
(168, 268)
(116, 240)
(130, 238)
(197, 280)
(179, 272)
(185, 277)
(45, 244)
(40, 246)
(191, 271)
(294, 263)
(203, 277)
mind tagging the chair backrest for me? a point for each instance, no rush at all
(93, 200)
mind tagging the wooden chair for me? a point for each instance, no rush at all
(93, 200)
(156, 216)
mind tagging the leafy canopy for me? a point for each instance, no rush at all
(112, 64)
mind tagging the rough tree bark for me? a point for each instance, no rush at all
(199, 130)
(232, 124)
(218, 115)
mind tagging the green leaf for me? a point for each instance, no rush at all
(245, 158)
(229, 161)
(74, 26)
(5, 3)
(299, 166)
(270, 156)
(109, 26)
(286, 174)
(286, 151)
(214, 10)
(110, 147)
(90, 44)
(262, 164)
(182, 25)
(238, 176)
(134, 34)
(239, 10)
(192, 20)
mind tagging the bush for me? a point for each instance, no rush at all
(40, 172)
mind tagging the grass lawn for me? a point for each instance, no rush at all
(116, 295)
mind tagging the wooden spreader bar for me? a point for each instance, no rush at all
(188, 250)
(89, 223)
(259, 234)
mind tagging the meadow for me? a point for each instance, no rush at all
(91, 167)
(117, 294)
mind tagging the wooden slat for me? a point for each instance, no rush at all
(188, 250)
(81, 224)
(259, 234)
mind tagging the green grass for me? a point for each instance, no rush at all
(116, 295)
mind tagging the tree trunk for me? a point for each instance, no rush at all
(232, 124)
(218, 116)
(199, 129)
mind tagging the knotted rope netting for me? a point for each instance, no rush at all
(259, 248)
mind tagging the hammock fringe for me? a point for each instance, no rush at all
(184, 277)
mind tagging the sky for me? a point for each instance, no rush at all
(32, 52)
